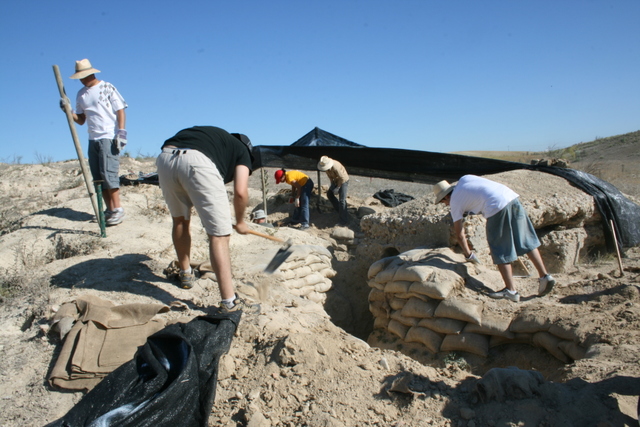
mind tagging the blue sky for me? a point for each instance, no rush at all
(440, 76)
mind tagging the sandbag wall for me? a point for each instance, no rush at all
(420, 297)
(307, 272)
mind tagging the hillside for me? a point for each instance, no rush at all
(615, 159)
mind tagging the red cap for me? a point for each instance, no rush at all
(279, 174)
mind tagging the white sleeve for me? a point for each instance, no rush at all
(117, 101)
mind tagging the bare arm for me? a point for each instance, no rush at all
(241, 197)
(458, 229)
(122, 118)
(296, 189)
(79, 118)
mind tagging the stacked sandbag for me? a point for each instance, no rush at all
(416, 297)
(413, 297)
(557, 336)
(307, 272)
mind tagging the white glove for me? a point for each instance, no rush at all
(121, 139)
(65, 101)
(473, 259)
(336, 191)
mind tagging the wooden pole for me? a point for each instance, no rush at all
(615, 239)
(319, 199)
(76, 141)
(263, 176)
(524, 267)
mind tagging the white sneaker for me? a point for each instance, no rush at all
(115, 218)
(546, 284)
(506, 293)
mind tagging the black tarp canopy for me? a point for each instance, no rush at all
(319, 137)
(431, 167)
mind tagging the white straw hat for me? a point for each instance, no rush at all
(441, 189)
(325, 163)
(84, 69)
(259, 214)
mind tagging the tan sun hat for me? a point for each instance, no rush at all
(441, 189)
(325, 163)
(83, 69)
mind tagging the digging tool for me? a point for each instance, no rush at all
(266, 236)
(282, 254)
(101, 220)
(76, 141)
(524, 267)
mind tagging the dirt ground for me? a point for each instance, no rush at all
(291, 365)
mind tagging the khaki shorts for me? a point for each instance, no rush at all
(189, 178)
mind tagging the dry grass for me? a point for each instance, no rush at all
(69, 247)
(10, 219)
(155, 207)
(25, 280)
(26, 277)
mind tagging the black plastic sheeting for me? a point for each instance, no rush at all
(391, 198)
(430, 168)
(613, 205)
(170, 382)
(389, 163)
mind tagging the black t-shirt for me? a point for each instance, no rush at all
(225, 150)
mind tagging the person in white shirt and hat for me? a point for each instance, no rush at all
(510, 232)
(100, 105)
(339, 185)
(259, 217)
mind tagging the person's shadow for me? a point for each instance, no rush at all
(128, 272)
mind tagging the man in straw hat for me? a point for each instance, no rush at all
(339, 184)
(101, 106)
(510, 232)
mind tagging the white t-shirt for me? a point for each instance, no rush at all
(99, 104)
(477, 195)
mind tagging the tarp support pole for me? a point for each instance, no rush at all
(263, 173)
(319, 192)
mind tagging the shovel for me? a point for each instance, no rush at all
(282, 254)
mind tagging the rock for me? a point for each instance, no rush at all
(364, 211)
(342, 233)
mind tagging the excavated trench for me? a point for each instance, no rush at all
(480, 333)
(389, 316)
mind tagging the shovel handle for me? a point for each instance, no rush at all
(266, 236)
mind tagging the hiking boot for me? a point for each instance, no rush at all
(546, 284)
(240, 304)
(304, 227)
(187, 280)
(505, 293)
(115, 218)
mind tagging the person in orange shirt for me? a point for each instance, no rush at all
(301, 188)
